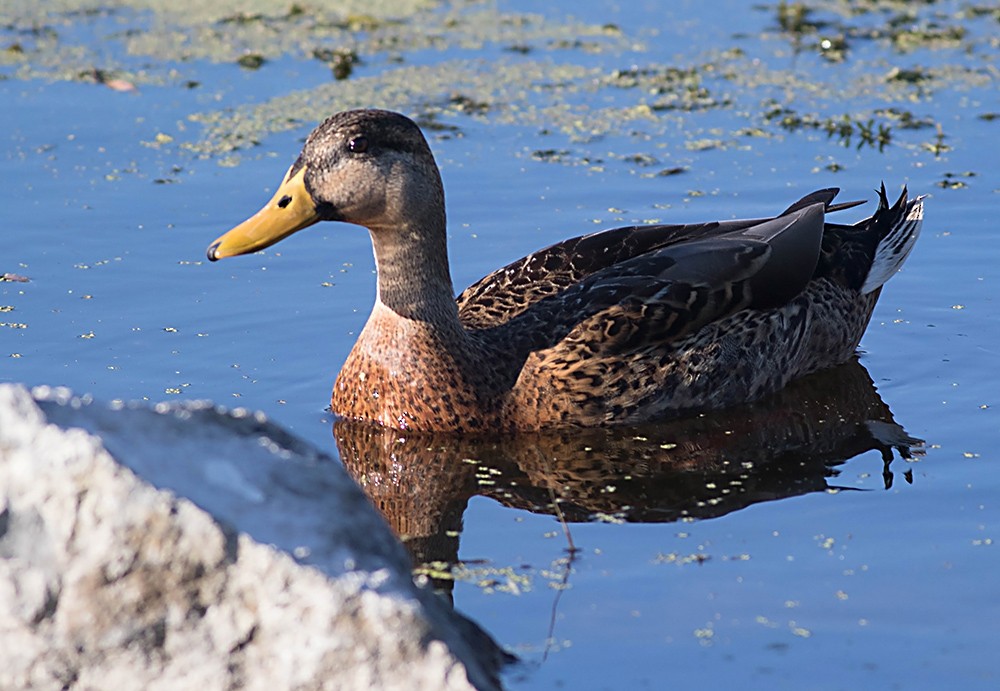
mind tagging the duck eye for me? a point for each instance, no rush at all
(358, 145)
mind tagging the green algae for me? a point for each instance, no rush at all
(558, 97)
(425, 58)
(227, 31)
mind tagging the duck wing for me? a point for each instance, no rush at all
(509, 291)
(673, 290)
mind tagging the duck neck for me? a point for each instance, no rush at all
(414, 280)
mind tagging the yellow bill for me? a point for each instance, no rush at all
(291, 209)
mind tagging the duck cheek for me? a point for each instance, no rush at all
(328, 212)
(372, 211)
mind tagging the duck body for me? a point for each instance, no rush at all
(617, 327)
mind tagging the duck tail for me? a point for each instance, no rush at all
(897, 228)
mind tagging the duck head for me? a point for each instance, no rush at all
(368, 167)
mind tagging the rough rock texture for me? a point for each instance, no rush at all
(189, 548)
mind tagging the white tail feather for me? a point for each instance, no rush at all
(895, 247)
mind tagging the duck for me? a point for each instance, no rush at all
(623, 326)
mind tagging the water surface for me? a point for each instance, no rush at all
(772, 546)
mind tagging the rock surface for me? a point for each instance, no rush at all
(185, 547)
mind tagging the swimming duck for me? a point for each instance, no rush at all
(621, 326)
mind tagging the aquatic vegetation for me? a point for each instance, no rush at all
(341, 61)
(539, 80)
(954, 181)
(846, 129)
(251, 61)
(937, 147)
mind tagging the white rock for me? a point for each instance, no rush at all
(153, 549)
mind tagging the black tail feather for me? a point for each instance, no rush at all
(896, 229)
(845, 205)
(826, 196)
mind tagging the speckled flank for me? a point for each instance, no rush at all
(737, 359)
(623, 326)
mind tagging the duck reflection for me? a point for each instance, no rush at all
(701, 467)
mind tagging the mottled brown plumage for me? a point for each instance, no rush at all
(622, 326)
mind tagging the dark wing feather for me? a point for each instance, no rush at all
(669, 304)
(507, 292)
(672, 291)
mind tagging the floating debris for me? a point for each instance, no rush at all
(251, 61)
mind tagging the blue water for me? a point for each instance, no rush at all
(874, 588)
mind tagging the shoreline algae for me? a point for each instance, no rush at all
(857, 74)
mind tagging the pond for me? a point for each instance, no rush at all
(810, 540)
